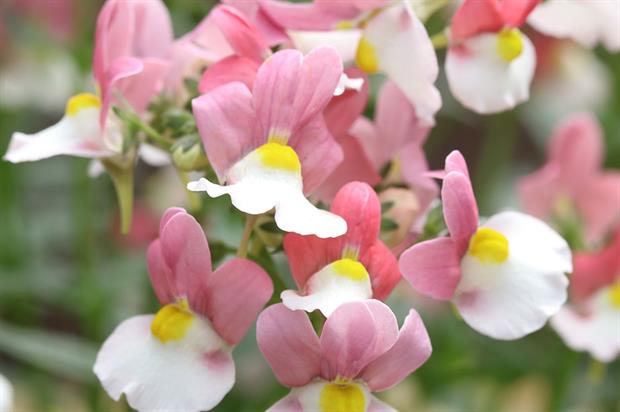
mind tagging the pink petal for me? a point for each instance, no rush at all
(168, 214)
(162, 278)
(455, 162)
(599, 204)
(474, 17)
(306, 16)
(208, 39)
(237, 291)
(355, 335)
(383, 269)
(432, 267)
(459, 209)
(411, 350)
(307, 255)
(515, 12)
(540, 190)
(120, 68)
(226, 122)
(273, 33)
(288, 343)
(291, 89)
(290, 403)
(343, 110)
(242, 35)
(228, 70)
(140, 89)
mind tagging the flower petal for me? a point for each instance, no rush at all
(344, 41)
(459, 209)
(598, 204)
(288, 343)
(383, 269)
(157, 376)
(290, 403)
(228, 70)
(432, 267)
(242, 35)
(343, 110)
(474, 17)
(319, 15)
(237, 291)
(409, 352)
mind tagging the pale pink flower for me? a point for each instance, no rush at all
(360, 351)
(270, 146)
(273, 33)
(505, 277)
(352, 267)
(180, 358)
(572, 184)
(490, 63)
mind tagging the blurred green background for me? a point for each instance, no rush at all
(67, 278)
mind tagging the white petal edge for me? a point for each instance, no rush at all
(153, 155)
(485, 83)
(176, 376)
(344, 41)
(510, 300)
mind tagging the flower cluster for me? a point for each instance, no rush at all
(264, 102)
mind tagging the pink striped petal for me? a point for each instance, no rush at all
(288, 343)
(306, 256)
(242, 35)
(459, 209)
(383, 269)
(228, 70)
(355, 335)
(237, 291)
(432, 267)
(291, 89)
(411, 350)
(343, 110)
(227, 124)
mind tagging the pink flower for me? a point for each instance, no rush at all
(352, 267)
(270, 146)
(490, 63)
(130, 42)
(180, 358)
(360, 351)
(572, 183)
(269, 30)
(505, 277)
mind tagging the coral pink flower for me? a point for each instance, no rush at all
(130, 41)
(591, 321)
(587, 22)
(379, 36)
(490, 63)
(355, 266)
(506, 277)
(572, 183)
(180, 358)
(271, 146)
(360, 351)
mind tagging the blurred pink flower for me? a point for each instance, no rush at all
(360, 351)
(505, 277)
(490, 63)
(572, 181)
(190, 340)
(269, 30)
(352, 267)
(271, 145)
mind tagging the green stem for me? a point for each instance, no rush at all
(440, 40)
(193, 199)
(122, 178)
(563, 382)
(250, 220)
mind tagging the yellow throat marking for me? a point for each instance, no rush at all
(351, 269)
(366, 57)
(489, 246)
(341, 396)
(80, 102)
(172, 322)
(279, 156)
(509, 44)
(613, 293)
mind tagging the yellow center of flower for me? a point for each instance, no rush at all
(81, 101)
(342, 396)
(366, 56)
(350, 268)
(489, 246)
(344, 25)
(613, 294)
(172, 322)
(279, 156)
(509, 44)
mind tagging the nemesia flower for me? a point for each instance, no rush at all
(505, 277)
(404, 211)
(587, 22)
(379, 36)
(251, 9)
(130, 42)
(590, 322)
(180, 358)
(360, 351)
(571, 184)
(352, 267)
(490, 63)
(271, 145)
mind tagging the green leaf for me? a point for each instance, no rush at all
(388, 224)
(386, 206)
(270, 227)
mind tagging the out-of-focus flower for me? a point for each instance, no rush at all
(360, 351)
(180, 358)
(352, 267)
(490, 63)
(505, 277)
(271, 146)
(130, 41)
(6, 394)
(587, 22)
(571, 185)
(144, 227)
(379, 36)
(592, 321)
(58, 17)
(269, 30)
(404, 210)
